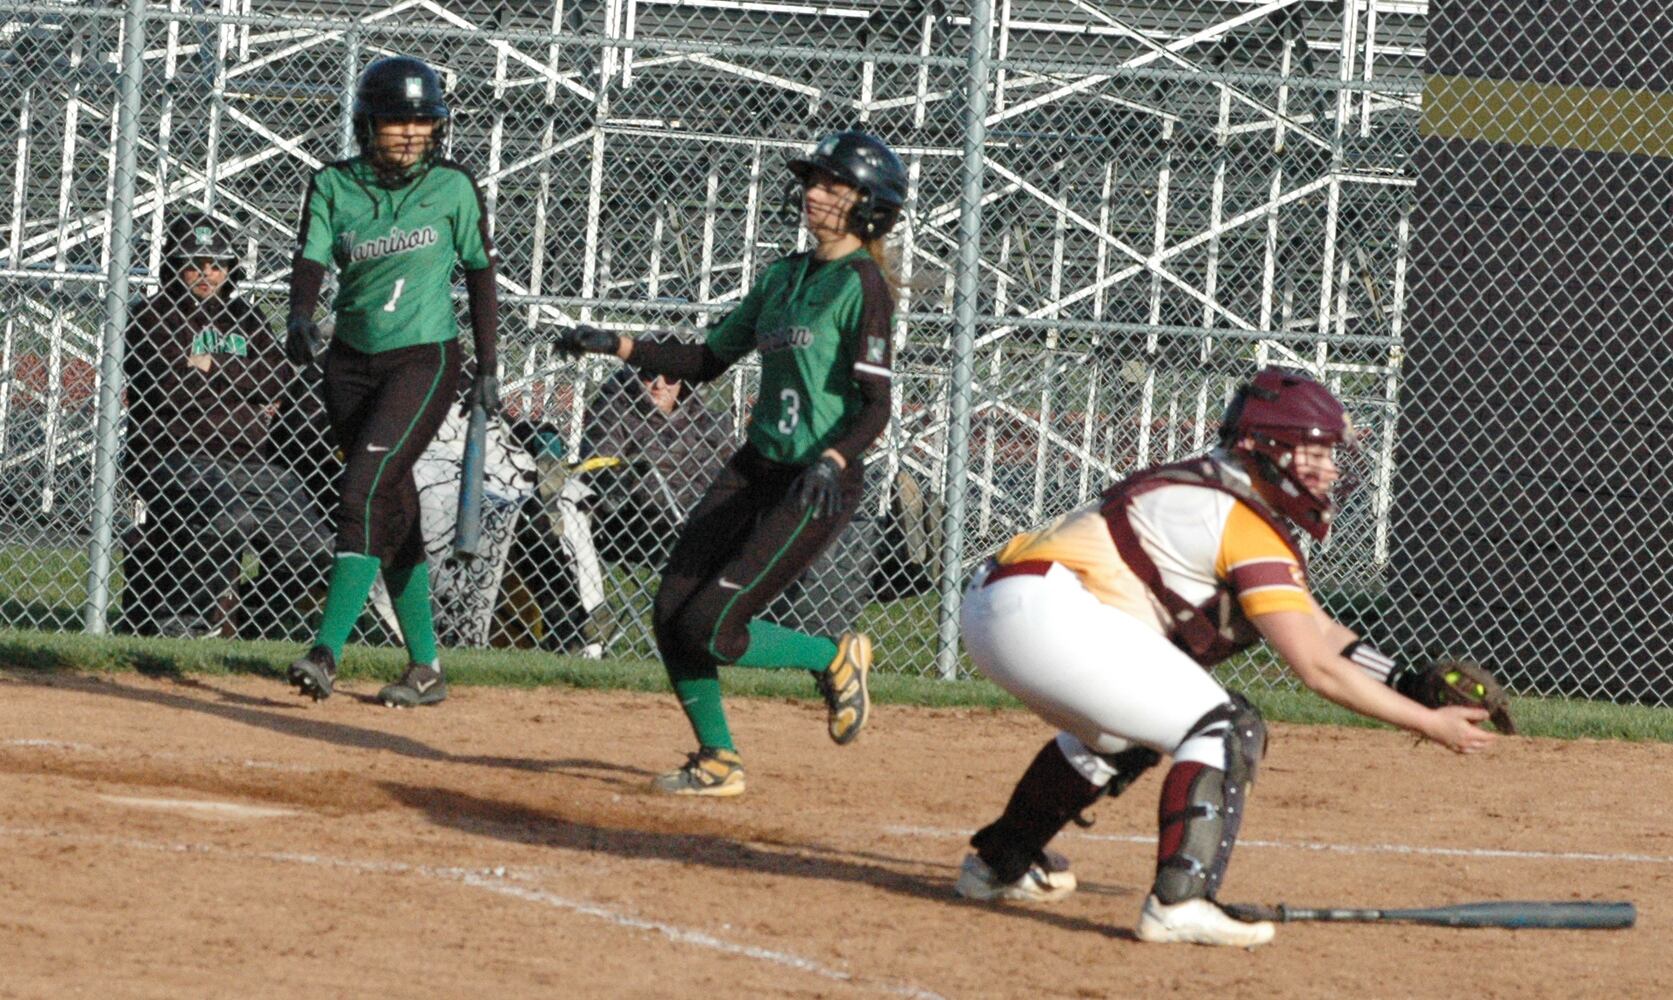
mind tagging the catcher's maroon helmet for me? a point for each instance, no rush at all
(1267, 418)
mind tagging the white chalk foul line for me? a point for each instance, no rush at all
(102, 751)
(48, 744)
(233, 810)
(496, 880)
(1448, 852)
(940, 833)
(684, 936)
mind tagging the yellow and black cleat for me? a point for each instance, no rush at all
(843, 684)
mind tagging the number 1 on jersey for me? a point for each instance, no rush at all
(394, 296)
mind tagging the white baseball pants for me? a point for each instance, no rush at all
(1100, 675)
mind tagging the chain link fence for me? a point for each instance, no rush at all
(1118, 211)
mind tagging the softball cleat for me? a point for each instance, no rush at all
(1039, 884)
(315, 674)
(843, 685)
(422, 684)
(710, 771)
(1199, 921)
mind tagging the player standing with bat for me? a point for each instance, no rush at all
(820, 321)
(1106, 621)
(396, 220)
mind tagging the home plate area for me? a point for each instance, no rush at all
(220, 836)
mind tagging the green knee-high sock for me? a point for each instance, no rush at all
(409, 591)
(352, 574)
(700, 700)
(776, 647)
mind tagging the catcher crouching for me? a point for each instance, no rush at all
(1106, 623)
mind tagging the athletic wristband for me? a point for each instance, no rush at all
(1379, 666)
(485, 318)
(306, 277)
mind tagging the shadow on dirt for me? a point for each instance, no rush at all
(520, 824)
(283, 716)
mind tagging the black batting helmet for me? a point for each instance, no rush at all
(199, 236)
(399, 87)
(864, 162)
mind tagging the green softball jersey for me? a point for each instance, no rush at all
(395, 250)
(810, 322)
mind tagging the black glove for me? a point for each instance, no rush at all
(586, 340)
(819, 488)
(1457, 682)
(302, 339)
(484, 392)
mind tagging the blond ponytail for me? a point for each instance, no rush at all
(878, 247)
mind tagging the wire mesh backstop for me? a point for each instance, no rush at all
(1453, 216)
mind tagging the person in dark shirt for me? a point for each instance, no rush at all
(204, 376)
(671, 446)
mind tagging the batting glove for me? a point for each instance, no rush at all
(303, 339)
(485, 392)
(819, 488)
(586, 340)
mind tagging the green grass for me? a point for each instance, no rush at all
(1547, 717)
(493, 667)
(59, 571)
(46, 587)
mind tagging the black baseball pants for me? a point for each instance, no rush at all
(746, 541)
(384, 410)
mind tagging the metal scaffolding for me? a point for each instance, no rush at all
(1171, 192)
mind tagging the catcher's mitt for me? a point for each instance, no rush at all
(1459, 682)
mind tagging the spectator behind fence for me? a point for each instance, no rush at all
(671, 445)
(205, 377)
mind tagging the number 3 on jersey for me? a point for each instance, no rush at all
(790, 411)
(394, 296)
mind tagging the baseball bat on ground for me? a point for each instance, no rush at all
(1536, 914)
(467, 528)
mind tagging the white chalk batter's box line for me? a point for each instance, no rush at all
(1150, 840)
(95, 750)
(1447, 852)
(501, 881)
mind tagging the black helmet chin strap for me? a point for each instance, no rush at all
(390, 175)
(862, 218)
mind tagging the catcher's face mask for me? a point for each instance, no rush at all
(1316, 468)
(1303, 445)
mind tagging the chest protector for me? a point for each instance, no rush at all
(1217, 628)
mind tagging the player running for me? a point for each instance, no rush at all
(1105, 621)
(395, 220)
(820, 321)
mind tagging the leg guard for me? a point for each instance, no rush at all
(1064, 779)
(1202, 805)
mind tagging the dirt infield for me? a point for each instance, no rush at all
(218, 837)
